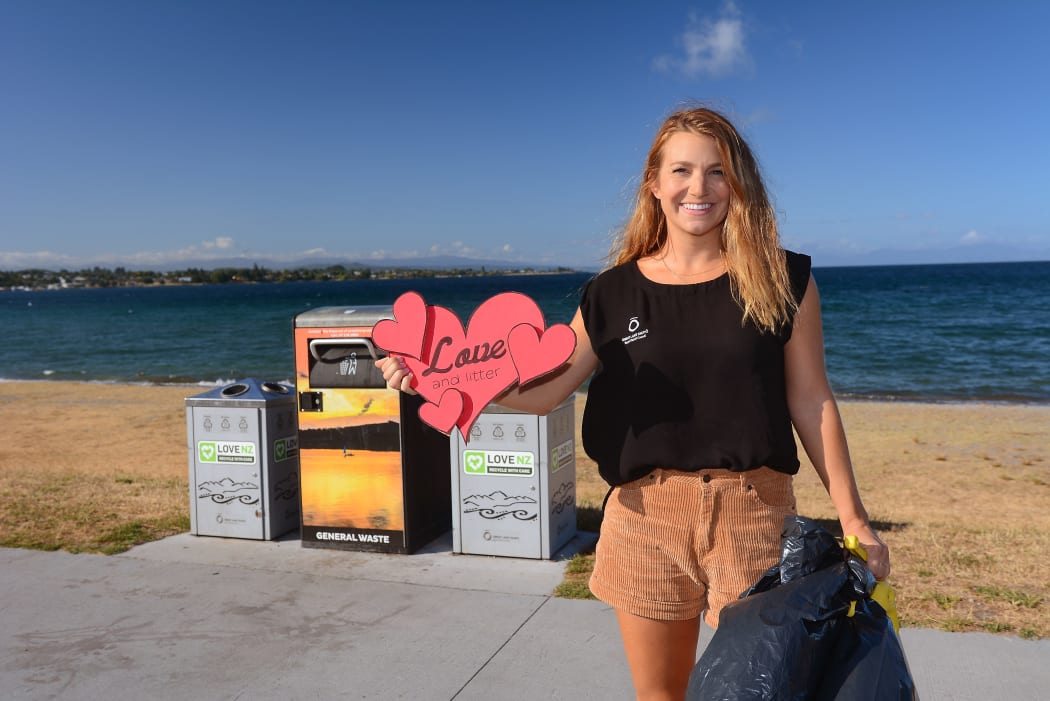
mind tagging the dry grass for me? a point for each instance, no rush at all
(960, 492)
(92, 468)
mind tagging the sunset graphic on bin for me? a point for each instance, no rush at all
(349, 452)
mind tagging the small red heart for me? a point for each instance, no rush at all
(404, 334)
(536, 352)
(443, 414)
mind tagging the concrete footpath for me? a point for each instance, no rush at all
(207, 618)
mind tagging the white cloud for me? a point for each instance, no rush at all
(713, 48)
(971, 237)
(217, 252)
(17, 260)
(834, 246)
(759, 115)
(453, 248)
(221, 242)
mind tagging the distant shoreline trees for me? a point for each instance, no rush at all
(41, 279)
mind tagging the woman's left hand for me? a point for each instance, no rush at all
(396, 373)
(878, 561)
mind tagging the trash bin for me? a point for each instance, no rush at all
(244, 460)
(373, 476)
(514, 484)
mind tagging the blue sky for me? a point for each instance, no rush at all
(160, 133)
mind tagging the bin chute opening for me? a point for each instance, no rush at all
(274, 387)
(234, 390)
(330, 349)
(344, 362)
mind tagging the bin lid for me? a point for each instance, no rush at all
(248, 392)
(494, 408)
(366, 315)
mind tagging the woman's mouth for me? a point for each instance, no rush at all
(696, 207)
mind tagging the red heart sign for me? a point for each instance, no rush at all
(504, 343)
(476, 362)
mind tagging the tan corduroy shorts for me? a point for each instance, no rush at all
(674, 544)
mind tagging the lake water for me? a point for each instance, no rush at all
(924, 332)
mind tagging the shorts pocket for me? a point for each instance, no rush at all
(632, 495)
(773, 490)
(635, 485)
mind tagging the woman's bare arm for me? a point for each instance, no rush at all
(815, 414)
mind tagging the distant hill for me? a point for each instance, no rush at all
(429, 263)
(976, 253)
(822, 257)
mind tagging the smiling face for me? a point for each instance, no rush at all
(691, 185)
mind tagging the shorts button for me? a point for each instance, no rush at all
(707, 478)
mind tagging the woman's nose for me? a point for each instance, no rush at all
(696, 184)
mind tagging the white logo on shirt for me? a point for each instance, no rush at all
(633, 332)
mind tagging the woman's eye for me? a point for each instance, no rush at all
(717, 171)
(680, 170)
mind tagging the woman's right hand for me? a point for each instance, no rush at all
(396, 373)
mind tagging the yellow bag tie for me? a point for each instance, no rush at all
(883, 592)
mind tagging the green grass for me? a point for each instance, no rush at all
(92, 514)
(945, 601)
(577, 574)
(1013, 597)
(125, 536)
(956, 624)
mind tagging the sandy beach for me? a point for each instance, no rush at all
(960, 491)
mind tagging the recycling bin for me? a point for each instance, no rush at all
(244, 460)
(514, 483)
(373, 476)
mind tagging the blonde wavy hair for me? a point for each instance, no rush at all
(750, 243)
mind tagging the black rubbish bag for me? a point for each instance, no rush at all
(791, 636)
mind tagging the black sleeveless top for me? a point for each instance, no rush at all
(681, 383)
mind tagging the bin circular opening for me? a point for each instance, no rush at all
(274, 387)
(234, 390)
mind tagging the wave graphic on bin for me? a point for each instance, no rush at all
(563, 498)
(498, 505)
(287, 489)
(226, 490)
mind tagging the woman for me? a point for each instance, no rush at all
(705, 342)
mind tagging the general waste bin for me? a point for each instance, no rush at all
(244, 460)
(373, 476)
(514, 484)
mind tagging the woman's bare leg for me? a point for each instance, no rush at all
(661, 654)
